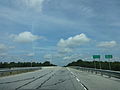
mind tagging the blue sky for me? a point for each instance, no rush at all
(60, 31)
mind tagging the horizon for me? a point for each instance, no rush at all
(58, 31)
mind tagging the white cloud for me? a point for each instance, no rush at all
(36, 4)
(72, 57)
(66, 58)
(25, 37)
(86, 10)
(65, 50)
(66, 46)
(3, 54)
(3, 47)
(107, 44)
(47, 56)
(58, 55)
(31, 54)
(74, 41)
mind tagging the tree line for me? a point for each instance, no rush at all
(96, 64)
(24, 64)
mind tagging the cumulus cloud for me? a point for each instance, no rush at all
(65, 50)
(107, 44)
(66, 46)
(74, 41)
(25, 37)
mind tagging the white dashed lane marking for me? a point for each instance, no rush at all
(85, 88)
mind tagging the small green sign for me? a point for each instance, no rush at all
(96, 56)
(108, 56)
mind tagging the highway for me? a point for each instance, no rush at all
(58, 78)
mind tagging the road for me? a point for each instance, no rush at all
(58, 78)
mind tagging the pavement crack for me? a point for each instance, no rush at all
(32, 81)
(59, 82)
(45, 81)
(17, 80)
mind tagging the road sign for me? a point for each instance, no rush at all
(96, 56)
(108, 56)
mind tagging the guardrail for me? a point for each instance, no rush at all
(102, 72)
(6, 72)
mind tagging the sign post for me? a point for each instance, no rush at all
(96, 57)
(94, 64)
(109, 57)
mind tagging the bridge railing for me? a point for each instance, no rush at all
(102, 72)
(6, 72)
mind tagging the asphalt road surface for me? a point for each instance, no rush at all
(58, 78)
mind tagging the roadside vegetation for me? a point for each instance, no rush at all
(24, 64)
(92, 64)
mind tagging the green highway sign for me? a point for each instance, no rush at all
(108, 56)
(96, 56)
